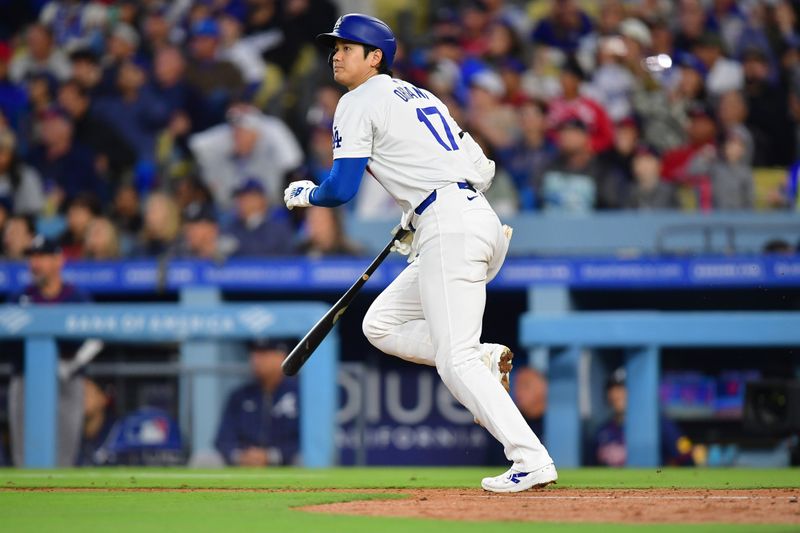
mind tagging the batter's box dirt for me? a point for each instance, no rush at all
(645, 506)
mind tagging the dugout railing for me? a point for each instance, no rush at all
(642, 335)
(204, 329)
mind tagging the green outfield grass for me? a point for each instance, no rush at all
(230, 511)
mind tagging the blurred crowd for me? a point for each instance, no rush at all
(169, 129)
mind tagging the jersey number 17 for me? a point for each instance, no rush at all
(423, 115)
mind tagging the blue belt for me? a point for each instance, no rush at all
(423, 205)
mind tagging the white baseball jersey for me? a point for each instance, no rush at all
(432, 313)
(412, 141)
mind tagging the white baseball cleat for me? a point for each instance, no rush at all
(516, 481)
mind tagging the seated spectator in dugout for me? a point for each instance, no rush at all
(260, 425)
(529, 391)
(530, 395)
(98, 420)
(609, 446)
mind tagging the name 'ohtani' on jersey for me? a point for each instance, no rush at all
(410, 93)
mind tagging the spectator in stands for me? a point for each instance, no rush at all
(40, 56)
(564, 26)
(126, 214)
(511, 71)
(503, 43)
(245, 53)
(613, 83)
(487, 115)
(691, 24)
(169, 85)
(74, 23)
(474, 18)
(86, 70)
(201, 236)
(113, 154)
(67, 168)
(250, 144)
(618, 161)
(574, 181)
(260, 422)
(530, 154)
(609, 444)
(40, 90)
(102, 240)
(606, 24)
(732, 113)
(80, 213)
(258, 231)
(572, 104)
(731, 177)
(663, 110)
(160, 227)
(767, 119)
(189, 190)
(723, 74)
(121, 48)
(701, 135)
(325, 234)
(18, 233)
(157, 32)
(135, 112)
(19, 182)
(542, 80)
(299, 23)
(731, 20)
(218, 81)
(12, 95)
(649, 191)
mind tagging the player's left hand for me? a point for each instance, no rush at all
(403, 244)
(298, 194)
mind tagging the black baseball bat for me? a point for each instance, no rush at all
(302, 352)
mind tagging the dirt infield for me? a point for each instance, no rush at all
(645, 506)
(632, 506)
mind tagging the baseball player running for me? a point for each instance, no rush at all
(432, 313)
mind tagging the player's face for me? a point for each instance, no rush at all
(350, 67)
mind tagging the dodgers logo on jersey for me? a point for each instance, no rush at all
(337, 139)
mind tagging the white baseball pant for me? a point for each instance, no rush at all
(432, 314)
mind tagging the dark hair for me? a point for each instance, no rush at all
(382, 68)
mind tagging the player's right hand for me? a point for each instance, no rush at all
(298, 194)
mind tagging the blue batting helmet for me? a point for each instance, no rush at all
(362, 29)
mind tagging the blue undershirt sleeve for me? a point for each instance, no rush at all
(342, 183)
